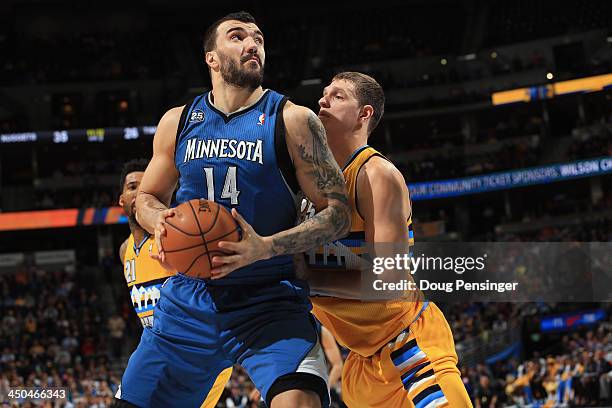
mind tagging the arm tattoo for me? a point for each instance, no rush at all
(332, 222)
(325, 170)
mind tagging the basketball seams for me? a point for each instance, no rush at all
(208, 241)
(189, 234)
(214, 221)
(188, 248)
(223, 236)
(194, 261)
(197, 220)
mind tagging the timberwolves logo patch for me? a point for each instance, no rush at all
(196, 116)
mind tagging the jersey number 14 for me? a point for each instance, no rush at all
(230, 189)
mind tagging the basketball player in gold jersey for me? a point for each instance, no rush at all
(402, 352)
(143, 274)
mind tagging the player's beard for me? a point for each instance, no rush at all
(132, 219)
(130, 211)
(239, 76)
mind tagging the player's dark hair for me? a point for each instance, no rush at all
(368, 92)
(130, 167)
(210, 36)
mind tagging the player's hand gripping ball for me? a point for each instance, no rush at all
(193, 233)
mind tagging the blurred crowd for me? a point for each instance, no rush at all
(87, 180)
(449, 164)
(388, 32)
(596, 231)
(81, 198)
(73, 57)
(522, 20)
(592, 141)
(81, 184)
(54, 332)
(509, 144)
(478, 320)
(579, 375)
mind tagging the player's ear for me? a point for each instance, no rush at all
(212, 60)
(121, 200)
(366, 113)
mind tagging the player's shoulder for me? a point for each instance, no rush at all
(301, 123)
(123, 248)
(167, 128)
(294, 113)
(379, 169)
(379, 178)
(173, 115)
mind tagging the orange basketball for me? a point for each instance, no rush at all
(193, 234)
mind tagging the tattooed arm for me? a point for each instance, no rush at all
(384, 203)
(321, 181)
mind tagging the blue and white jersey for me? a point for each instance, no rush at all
(241, 161)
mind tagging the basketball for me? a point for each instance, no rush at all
(193, 235)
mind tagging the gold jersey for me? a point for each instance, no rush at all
(363, 327)
(144, 277)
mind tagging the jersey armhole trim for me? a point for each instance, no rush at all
(357, 184)
(354, 156)
(285, 164)
(183, 122)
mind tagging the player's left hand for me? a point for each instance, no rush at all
(251, 248)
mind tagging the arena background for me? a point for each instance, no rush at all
(83, 86)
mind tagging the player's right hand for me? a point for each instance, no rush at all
(160, 230)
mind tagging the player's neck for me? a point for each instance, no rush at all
(229, 99)
(343, 147)
(138, 232)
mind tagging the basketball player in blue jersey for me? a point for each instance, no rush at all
(252, 151)
(143, 274)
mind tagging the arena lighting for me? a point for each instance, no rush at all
(468, 57)
(548, 91)
(549, 75)
(443, 61)
(493, 54)
(308, 82)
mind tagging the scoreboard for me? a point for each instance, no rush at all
(94, 135)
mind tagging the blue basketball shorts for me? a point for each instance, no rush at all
(200, 331)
